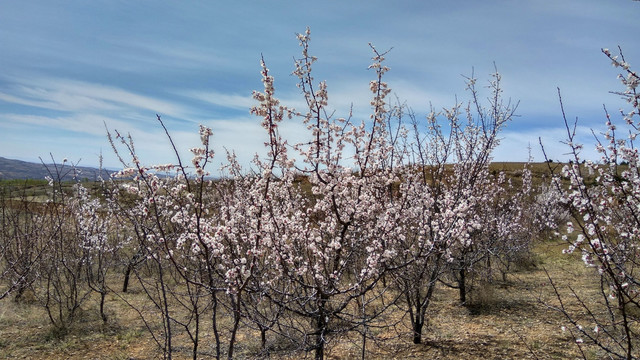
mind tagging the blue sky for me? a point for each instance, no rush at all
(70, 66)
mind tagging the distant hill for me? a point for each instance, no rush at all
(17, 169)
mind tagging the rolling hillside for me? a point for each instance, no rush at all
(16, 169)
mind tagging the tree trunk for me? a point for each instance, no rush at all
(103, 294)
(321, 326)
(462, 286)
(127, 274)
(235, 303)
(417, 329)
(263, 339)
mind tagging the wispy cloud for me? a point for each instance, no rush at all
(232, 101)
(70, 95)
(515, 146)
(88, 124)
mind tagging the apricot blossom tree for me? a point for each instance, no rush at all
(603, 201)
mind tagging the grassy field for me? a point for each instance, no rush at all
(503, 320)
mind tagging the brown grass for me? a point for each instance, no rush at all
(504, 320)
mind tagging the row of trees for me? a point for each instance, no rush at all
(317, 239)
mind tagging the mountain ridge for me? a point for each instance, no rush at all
(11, 169)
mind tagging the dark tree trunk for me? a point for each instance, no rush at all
(103, 294)
(263, 338)
(319, 355)
(235, 302)
(321, 327)
(417, 330)
(127, 274)
(462, 286)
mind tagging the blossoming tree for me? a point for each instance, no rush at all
(603, 201)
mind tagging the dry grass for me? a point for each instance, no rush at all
(502, 320)
(509, 320)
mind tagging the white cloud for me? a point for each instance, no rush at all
(514, 146)
(89, 124)
(232, 101)
(70, 95)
